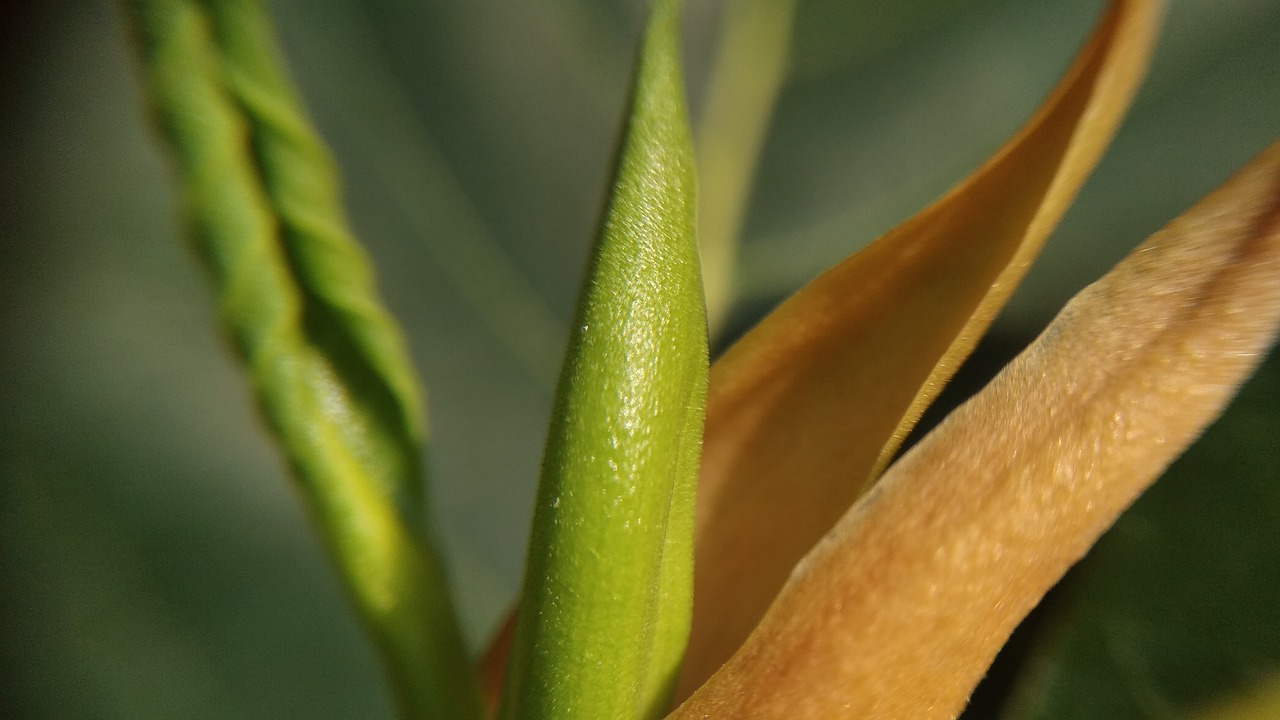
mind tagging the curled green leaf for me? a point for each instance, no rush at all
(327, 363)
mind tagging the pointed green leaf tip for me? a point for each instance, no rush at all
(605, 611)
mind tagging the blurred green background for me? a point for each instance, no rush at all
(154, 560)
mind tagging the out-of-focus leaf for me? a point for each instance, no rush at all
(1259, 701)
(426, 194)
(806, 408)
(1177, 607)
(900, 610)
(747, 74)
(296, 294)
(604, 615)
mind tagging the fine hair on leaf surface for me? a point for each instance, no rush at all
(899, 611)
(604, 612)
(808, 406)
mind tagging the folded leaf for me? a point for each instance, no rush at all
(605, 608)
(806, 408)
(898, 612)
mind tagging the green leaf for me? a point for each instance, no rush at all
(1176, 608)
(328, 365)
(607, 592)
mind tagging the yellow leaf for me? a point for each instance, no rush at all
(1259, 701)
(805, 410)
(898, 612)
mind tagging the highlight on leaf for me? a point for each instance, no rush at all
(901, 608)
(1259, 701)
(746, 77)
(604, 613)
(806, 409)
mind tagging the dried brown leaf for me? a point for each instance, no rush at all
(804, 410)
(901, 608)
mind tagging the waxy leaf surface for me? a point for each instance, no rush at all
(605, 609)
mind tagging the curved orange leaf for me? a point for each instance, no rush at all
(806, 408)
(900, 610)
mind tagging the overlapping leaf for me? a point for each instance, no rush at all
(899, 611)
(805, 410)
